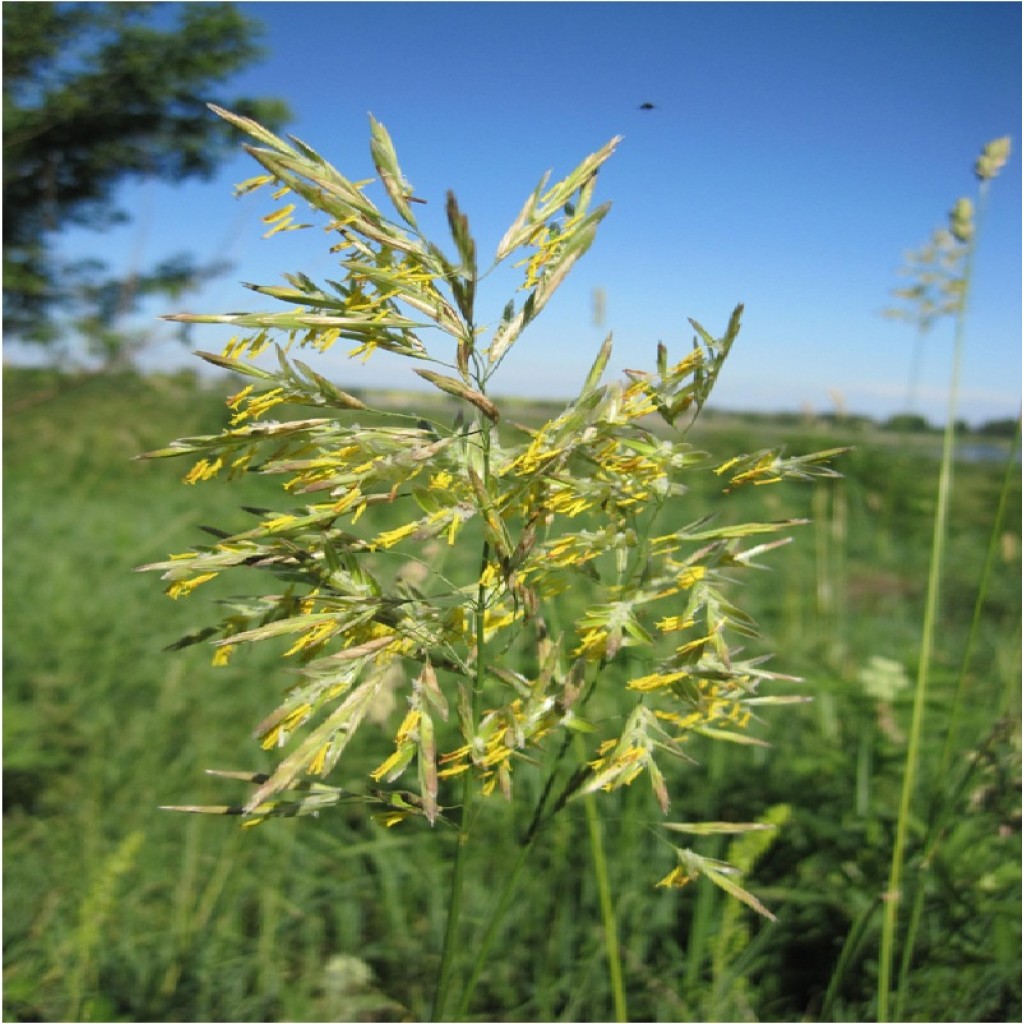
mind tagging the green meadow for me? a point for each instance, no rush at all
(116, 910)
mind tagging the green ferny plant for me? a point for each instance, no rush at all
(500, 673)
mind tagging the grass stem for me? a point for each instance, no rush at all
(497, 916)
(444, 978)
(979, 602)
(894, 889)
(458, 868)
(604, 892)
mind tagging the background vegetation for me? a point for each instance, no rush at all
(95, 95)
(114, 910)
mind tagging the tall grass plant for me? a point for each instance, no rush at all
(947, 271)
(488, 644)
(338, 918)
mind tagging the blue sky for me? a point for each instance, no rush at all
(796, 152)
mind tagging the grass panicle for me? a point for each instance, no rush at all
(524, 641)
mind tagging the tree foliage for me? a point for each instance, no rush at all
(93, 95)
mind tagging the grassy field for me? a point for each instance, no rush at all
(114, 910)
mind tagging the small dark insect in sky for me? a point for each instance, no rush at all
(647, 106)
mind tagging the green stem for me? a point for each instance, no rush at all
(455, 898)
(508, 890)
(454, 905)
(979, 602)
(894, 888)
(862, 800)
(947, 795)
(855, 938)
(512, 880)
(893, 891)
(916, 911)
(604, 892)
(701, 928)
(497, 916)
(537, 822)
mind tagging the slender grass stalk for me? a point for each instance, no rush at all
(604, 892)
(855, 938)
(483, 947)
(830, 522)
(913, 925)
(541, 816)
(894, 888)
(451, 929)
(701, 931)
(946, 795)
(979, 602)
(862, 788)
(497, 916)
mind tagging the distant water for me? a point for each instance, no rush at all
(983, 451)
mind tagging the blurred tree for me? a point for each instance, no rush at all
(999, 428)
(908, 423)
(94, 94)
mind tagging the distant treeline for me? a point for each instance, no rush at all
(903, 423)
(22, 379)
